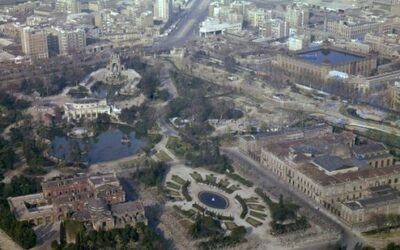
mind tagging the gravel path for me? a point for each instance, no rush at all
(7, 243)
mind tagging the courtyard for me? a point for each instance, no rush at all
(199, 191)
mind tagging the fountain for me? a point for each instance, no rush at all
(213, 200)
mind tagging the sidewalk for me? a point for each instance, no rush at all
(7, 243)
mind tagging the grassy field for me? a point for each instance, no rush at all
(258, 215)
(388, 139)
(230, 225)
(178, 180)
(163, 156)
(251, 200)
(256, 207)
(253, 222)
(173, 185)
(196, 176)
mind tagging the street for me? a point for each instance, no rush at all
(185, 30)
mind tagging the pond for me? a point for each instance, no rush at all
(109, 145)
(213, 200)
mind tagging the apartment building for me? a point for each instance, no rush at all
(34, 42)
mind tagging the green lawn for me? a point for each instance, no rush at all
(211, 179)
(224, 183)
(174, 193)
(173, 185)
(163, 156)
(253, 222)
(258, 215)
(256, 207)
(196, 176)
(230, 225)
(178, 180)
(251, 200)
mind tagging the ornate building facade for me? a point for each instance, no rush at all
(98, 199)
(334, 172)
(318, 62)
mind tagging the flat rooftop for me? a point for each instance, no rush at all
(327, 56)
(371, 202)
(333, 163)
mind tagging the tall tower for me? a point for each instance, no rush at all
(162, 9)
(34, 42)
(72, 6)
(71, 40)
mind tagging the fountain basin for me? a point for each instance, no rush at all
(213, 200)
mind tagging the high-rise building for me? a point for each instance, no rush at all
(162, 10)
(71, 41)
(297, 17)
(72, 6)
(258, 17)
(279, 28)
(34, 42)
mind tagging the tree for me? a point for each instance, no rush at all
(379, 220)
(75, 153)
(230, 63)
(54, 245)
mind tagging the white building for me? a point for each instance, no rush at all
(71, 41)
(71, 6)
(279, 28)
(257, 16)
(297, 17)
(88, 108)
(162, 10)
(213, 26)
(296, 43)
(34, 42)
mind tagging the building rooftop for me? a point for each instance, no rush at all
(123, 208)
(333, 163)
(25, 206)
(100, 180)
(64, 181)
(368, 148)
(336, 155)
(320, 176)
(327, 56)
(386, 198)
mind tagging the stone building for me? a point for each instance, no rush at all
(316, 63)
(358, 29)
(87, 108)
(98, 199)
(382, 200)
(71, 40)
(376, 154)
(34, 42)
(330, 168)
(252, 144)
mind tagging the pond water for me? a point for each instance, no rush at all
(213, 200)
(106, 146)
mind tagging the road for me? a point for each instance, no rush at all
(185, 31)
(269, 182)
